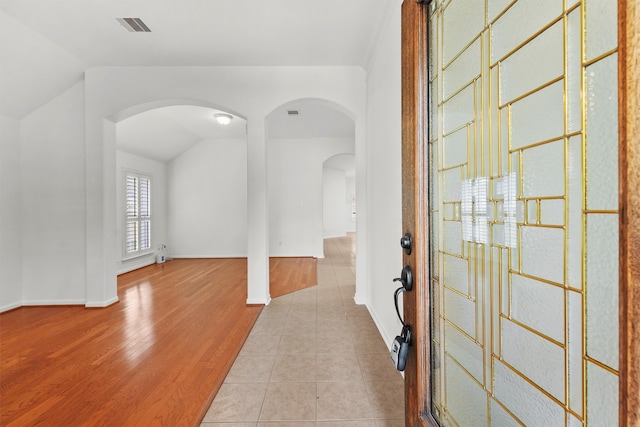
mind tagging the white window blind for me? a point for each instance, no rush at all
(138, 214)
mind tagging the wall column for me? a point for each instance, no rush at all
(258, 213)
(101, 289)
(362, 257)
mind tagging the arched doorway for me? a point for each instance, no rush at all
(196, 170)
(301, 136)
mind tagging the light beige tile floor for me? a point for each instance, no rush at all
(313, 359)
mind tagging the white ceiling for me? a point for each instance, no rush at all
(316, 119)
(46, 45)
(164, 133)
(208, 32)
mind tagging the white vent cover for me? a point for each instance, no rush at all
(134, 25)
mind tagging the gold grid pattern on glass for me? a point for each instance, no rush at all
(510, 214)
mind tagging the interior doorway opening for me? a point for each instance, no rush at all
(194, 165)
(339, 196)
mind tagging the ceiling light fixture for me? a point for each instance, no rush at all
(223, 118)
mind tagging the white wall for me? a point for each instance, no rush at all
(10, 221)
(207, 194)
(350, 195)
(157, 172)
(52, 177)
(295, 175)
(34, 69)
(384, 196)
(333, 206)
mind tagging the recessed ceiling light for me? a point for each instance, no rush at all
(223, 118)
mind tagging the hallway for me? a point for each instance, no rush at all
(313, 358)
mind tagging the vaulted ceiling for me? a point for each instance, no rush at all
(46, 45)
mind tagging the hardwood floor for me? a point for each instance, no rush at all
(155, 358)
(288, 275)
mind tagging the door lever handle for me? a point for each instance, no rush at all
(406, 278)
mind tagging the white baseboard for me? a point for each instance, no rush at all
(259, 302)
(45, 302)
(215, 256)
(333, 234)
(10, 306)
(388, 338)
(100, 304)
(30, 303)
(129, 268)
(359, 300)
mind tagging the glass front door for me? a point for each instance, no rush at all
(524, 212)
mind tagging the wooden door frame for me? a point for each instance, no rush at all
(415, 207)
(629, 196)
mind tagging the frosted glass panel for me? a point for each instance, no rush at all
(538, 305)
(455, 148)
(436, 308)
(571, 3)
(538, 359)
(498, 280)
(437, 370)
(543, 253)
(496, 7)
(526, 402)
(462, 70)
(574, 348)
(467, 353)
(552, 212)
(452, 237)
(543, 170)
(452, 185)
(572, 421)
(602, 397)
(536, 64)
(473, 406)
(500, 417)
(521, 21)
(602, 288)
(602, 135)
(495, 148)
(504, 285)
(574, 241)
(463, 21)
(574, 71)
(459, 110)
(538, 117)
(532, 212)
(602, 25)
(456, 273)
(449, 211)
(498, 233)
(461, 312)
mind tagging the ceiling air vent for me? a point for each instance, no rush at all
(134, 25)
(293, 112)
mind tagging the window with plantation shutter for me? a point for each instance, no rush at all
(137, 236)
